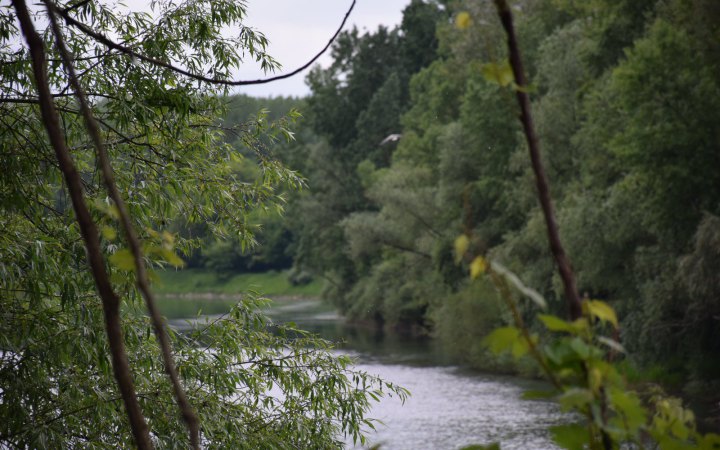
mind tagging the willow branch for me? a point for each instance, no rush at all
(541, 181)
(188, 414)
(157, 62)
(88, 230)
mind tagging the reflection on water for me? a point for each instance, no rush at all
(449, 407)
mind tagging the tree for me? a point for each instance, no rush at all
(356, 103)
(106, 140)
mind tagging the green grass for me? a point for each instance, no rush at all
(182, 308)
(182, 293)
(199, 281)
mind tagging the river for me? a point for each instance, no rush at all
(450, 407)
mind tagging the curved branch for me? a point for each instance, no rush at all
(143, 283)
(128, 51)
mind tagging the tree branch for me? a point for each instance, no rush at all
(88, 229)
(143, 283)
(156, 62)
(563, 262)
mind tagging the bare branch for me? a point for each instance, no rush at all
(128, 51)
(541, 181)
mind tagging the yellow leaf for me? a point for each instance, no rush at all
(109, 233)
(113, 212)
(463, 20)
(477, 267)
(462, 243)
(498, 73)
(554, 323)
(602, 311)
(595, 379)
(171, 257)
(168, 237)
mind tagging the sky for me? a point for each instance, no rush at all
(298, 29)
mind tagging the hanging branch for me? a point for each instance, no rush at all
(563, 262)
(143, 284)
(218, 81)
(88, 230)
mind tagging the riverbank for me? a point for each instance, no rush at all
(189, 292)
(272, 283)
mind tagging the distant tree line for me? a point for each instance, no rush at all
(626, 96)
(627, 102)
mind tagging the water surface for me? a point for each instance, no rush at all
(450, 407)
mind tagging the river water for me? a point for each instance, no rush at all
(450, 407)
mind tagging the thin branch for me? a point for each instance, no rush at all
(88, 229)
(142, 280)
(156, 62)
(35, 101)
(541, 181)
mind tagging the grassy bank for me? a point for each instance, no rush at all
(185, 293)
(199, 281)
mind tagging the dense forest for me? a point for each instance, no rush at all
(117, 163)
(406, 145)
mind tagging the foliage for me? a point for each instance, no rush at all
(577, 357)
(582, 373)
(357, 102)
(624, 96)
(254, 388)
(171, 166)
(189, 281)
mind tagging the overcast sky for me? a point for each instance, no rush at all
(298, 29)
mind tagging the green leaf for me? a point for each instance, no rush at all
(498, 73)
(123, 259)
(710, 441)
(172, 257)
(520, 347)
(580, 348)
(554, 323)
(629, 406)
(502, 339)
(576, 398)
(570, 437)
(537, 395)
